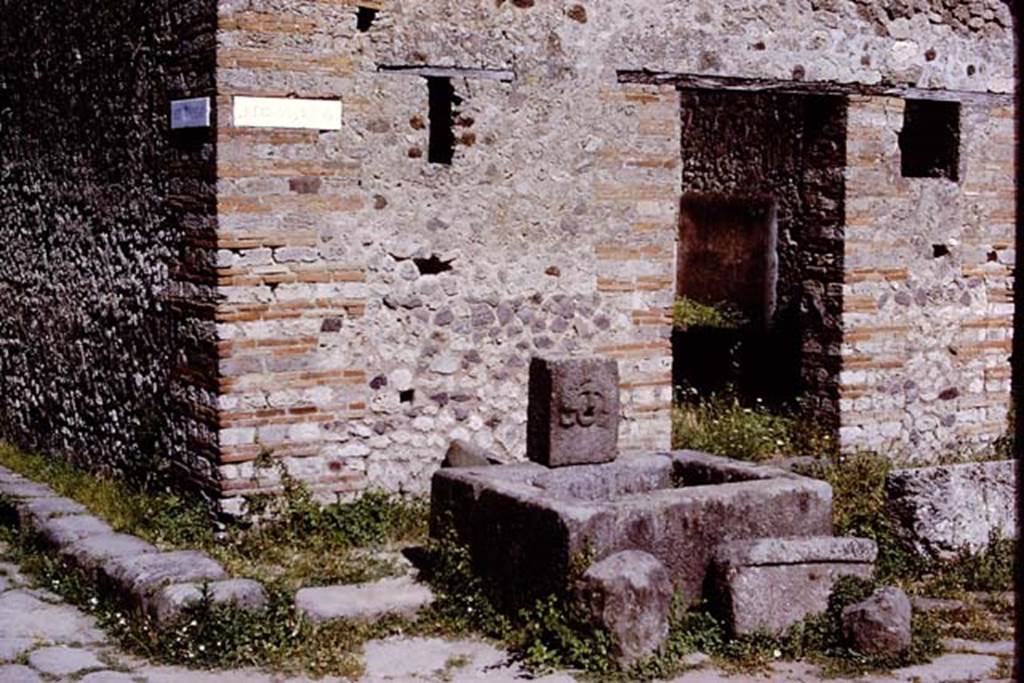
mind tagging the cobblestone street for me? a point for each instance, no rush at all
(44, 639)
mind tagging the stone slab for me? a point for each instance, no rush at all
(19, 673)
(91, 552)
(999, 648)
(815, 549)
(573, 411)
(61, 660)
(949, 508)
(402, 596)
(141, 575)
(33, 511)
(771, 584)
(170, 601)
(12, 648)
(64, 531)
(950, 667)
(430, 659)
(24, 489)
(108, 677)
(23, 615)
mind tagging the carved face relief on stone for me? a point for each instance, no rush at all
(583, 407)
(573, 413)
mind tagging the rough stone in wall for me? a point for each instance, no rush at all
(335, 298)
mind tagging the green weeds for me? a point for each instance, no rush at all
(689, 313)
(722, 425)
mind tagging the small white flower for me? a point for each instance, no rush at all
(777, 653)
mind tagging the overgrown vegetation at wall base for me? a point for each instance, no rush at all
(723, 425)
(288, 539)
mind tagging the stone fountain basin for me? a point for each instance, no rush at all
(525, 523)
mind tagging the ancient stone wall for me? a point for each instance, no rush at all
(928, 310)
(377, 305)
(347, 304)
(95, 196)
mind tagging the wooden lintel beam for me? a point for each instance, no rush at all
(686, 81)
(503, 75)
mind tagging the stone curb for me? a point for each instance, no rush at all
(162, 583)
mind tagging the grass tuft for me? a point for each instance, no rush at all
(689, 313)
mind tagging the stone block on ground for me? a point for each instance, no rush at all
(91, 552)
(949, 508)
(64, 531)
(630, 595)
(465, 454)
(365, 601)
(19, 673)
(573, 411)
(13, 648)
(24, 489)
(770, 584)
(141, 575)
(63, 661)
(170, 601)
(23, 615)
(881, 624)
(523, 522)
(33, 511)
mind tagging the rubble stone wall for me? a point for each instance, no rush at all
(377, 305)
(928, 308)
(95, 199)
(335, 299)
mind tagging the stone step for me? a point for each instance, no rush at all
(401, 596)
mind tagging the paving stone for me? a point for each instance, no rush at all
(63, 661)
(23, 615)
(924, 604)
(950, 667)
(420, 659)
(630, 595)
(31, 512)
(108, 677)
(18, 673)
(90, 553)
(177, 674)
(400, 595)
(999, 648)
(12, 648)
(170, 601)
(140, 575)
(63, 531)
(25, 489)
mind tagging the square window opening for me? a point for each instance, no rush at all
(930, 140)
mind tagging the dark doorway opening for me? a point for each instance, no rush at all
(760, 239)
